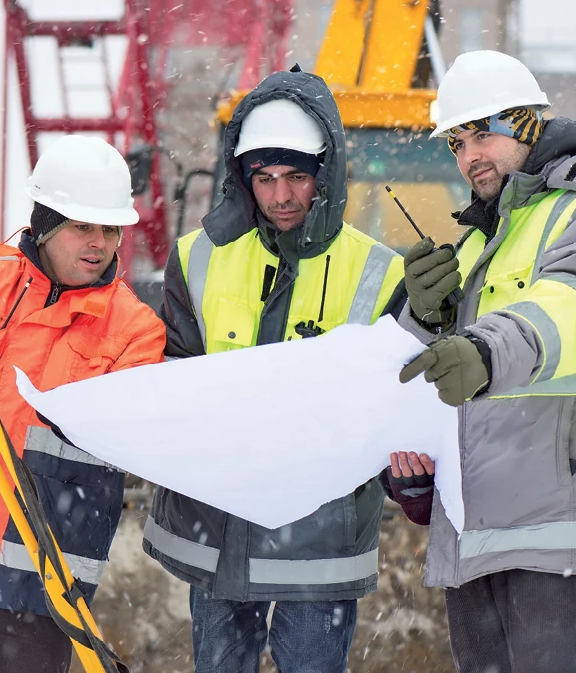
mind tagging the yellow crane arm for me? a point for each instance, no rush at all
(369, 58)
(372, 44)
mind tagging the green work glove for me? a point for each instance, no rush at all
(459, 366)
(431, 274)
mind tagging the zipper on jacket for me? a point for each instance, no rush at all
(26, 286)
(53, 296)
(326, 269)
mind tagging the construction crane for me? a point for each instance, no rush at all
(114, 54)
(382, 60)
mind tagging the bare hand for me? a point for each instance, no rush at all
(406, 464)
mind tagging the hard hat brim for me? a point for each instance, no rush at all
(113, 217)
(266, 144)
(441, 131)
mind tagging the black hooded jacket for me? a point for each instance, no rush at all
(207, 547)
(237, 214)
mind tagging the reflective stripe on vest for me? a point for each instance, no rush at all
(557, 535)
(513, 270)
(536, 236)
(9, 258)
(43, 440)
(266, 571)
(359, 308)
(370, 284)
(197, 273)
(14, 555)
(560, 206)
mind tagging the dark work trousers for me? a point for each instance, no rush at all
(32, 644)
(516, 621)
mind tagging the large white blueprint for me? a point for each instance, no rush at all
(268, 433)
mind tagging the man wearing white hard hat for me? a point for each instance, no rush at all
(507, 361)
(65, 315)
(275, 262)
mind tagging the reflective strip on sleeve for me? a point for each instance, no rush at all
(9, 258)
(370, 284)
(557, 535)
(14, 555)
(265, 571)
(43, 440)
(559, 207)
(565, 385)
(547, 331)
(197, 274)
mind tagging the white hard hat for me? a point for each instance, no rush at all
(482, 83)
(85, 179)
(280, 123)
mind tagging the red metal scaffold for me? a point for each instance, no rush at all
(254, 32)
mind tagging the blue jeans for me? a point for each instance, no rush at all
(305, 637)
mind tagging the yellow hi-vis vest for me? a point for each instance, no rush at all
(514, 285)
(353, 281)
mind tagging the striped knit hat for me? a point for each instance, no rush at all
(524, 124)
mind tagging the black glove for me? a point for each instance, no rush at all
(459, 366)
(405, 485)
(431, 275)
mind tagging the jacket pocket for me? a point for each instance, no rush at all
(93, 354)
(234, 325)
(566, 440)
(501, 290)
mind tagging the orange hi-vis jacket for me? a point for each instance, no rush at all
(59, 335)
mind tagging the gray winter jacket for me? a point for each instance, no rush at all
(332, 553)
(518, 439)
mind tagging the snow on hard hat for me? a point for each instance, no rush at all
(482, 83)
(85, 179)
(280, 123)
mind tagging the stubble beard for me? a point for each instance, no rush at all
(490, 187)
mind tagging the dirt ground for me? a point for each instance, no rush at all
(143, 611)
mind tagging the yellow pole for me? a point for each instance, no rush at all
(53, 586)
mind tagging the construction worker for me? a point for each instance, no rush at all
(506, 360)
(65, 316)
(275, 262)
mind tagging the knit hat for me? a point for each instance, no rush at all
(524, 124)
(45, 222)
(254, 160)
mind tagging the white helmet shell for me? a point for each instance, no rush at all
(482, 83)
(84, 179)
(280, 123)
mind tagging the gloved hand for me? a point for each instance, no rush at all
(431, 274)
(459, 366)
